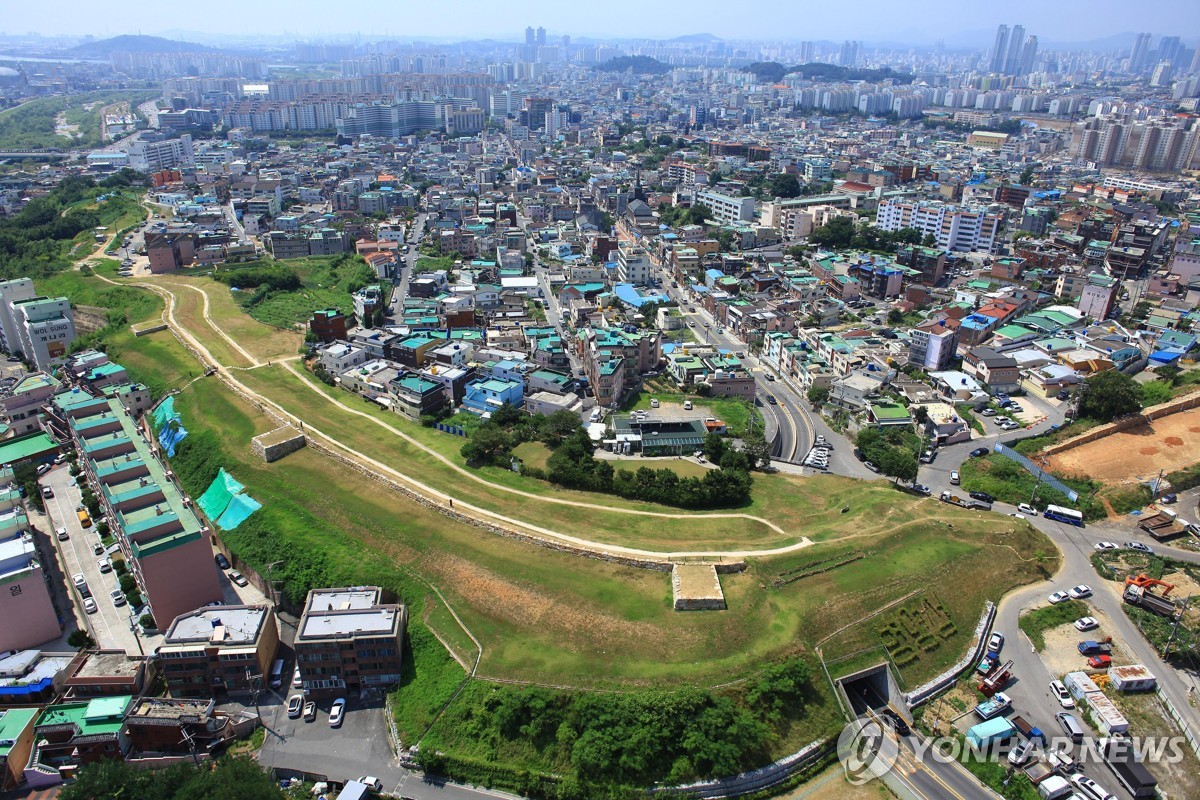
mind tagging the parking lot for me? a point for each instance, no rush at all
(359, 747)
(110, 624)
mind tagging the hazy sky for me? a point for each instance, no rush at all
(909, 20)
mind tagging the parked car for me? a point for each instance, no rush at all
(371, 782)
(222, 561)
(89, 605)
(238, 578)
(870, 466)
(1168, 498)
(1060, 693)
(118, 598)
(1059, 597)
(79, 580)
(983, 496)
(1020, 754)
(62, 534)
(1139, 546)
(310, 711)
(979, 452)
(1100, 662)
(921, 488)
(337, 712)
(654, 402)
(297, 681)
(104, 565)
(98, 549)
(1079, 592)
(988, 412)
(954, 479)
(295, 706)
(47, 492)
(1025, 508)
(1086, 623)
(995, 642)
(1107, 546)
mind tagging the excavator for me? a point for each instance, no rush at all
(1144, 582)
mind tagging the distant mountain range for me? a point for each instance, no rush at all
(696, 38)
(132, 44)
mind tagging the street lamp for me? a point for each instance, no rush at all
(271, 583)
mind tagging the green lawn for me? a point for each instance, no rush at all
(735, 412)
(680, 466)
(1035, 623)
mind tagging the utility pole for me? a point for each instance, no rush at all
(1175, 627)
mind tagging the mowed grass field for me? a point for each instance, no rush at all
(546, 616)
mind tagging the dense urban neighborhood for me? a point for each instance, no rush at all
(597, 418)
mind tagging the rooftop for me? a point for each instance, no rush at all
(219, 625)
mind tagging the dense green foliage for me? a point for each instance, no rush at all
(640, 65)
(574, 465)
(1009, 482)
(229, 777)
(639, 738)
(894, 450)
(841, 233)
(680, 215)
(286, 293)
(32, 124)
(1036, 623)
(1109, 395)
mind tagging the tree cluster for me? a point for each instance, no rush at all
(572, 462)
(268, 278)
(32, 240)
(893, 450)
(676, 216)
(1106, 396)
(639, 738)
(639, 65)
(842, 233)
(228, 777)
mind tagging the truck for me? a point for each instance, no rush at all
(1163, 525)
(985, 734)
(1027, 730)
(353, 790)
(1054, 788)
(995, 682)
(993, 707)
(1094, 648)
(1140, 596)
(965, 502)
(1130, 772)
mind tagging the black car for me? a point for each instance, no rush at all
(983, 496)
(897, 722)
(222, 561)
(979, 452)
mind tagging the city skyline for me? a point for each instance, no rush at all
(918, 22)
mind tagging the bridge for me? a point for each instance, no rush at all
(46, 153)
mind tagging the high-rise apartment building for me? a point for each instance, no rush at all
(1139, 59)
(953, 227)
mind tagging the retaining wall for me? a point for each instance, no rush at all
(1132, 421)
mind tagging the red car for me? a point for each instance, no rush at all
(1100, 662)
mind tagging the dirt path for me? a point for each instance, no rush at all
(443, 499)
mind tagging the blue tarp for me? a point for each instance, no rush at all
(240, 507)
(170, 435)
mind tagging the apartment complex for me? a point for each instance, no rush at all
(727, 209)
(217, 651)
(25, 605)
(349, 640)
(168, 154)
(953, 227)
(160, 536)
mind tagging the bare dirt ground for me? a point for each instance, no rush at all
(1062, 647)
(832, 785)
(1138, 453)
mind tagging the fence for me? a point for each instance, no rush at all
(1188, 733)
(1037, 472)
(451, 429)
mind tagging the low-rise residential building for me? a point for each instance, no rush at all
(71, 735)
(349, 640)
(218, 651)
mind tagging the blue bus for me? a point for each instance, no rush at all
(1067, 515)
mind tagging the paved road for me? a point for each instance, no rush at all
(407, 266)
(110, 625)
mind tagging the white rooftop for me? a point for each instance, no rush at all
(239, 624)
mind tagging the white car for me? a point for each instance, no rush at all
(995, 642)
(297, 681)
(1079, 592)
(104, 565)
(1086, 623)
(1107, 546)
(1025, 508)
(1089, 789)
(118, 598)
(337, 712)
(79, 580)
(62, 534)
(295, 706)
(1060, 693)
(1020, 754)
(1059, 597)
(89, 605)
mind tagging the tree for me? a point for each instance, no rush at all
(785, 185)
(838, 233)
(818, 395)
(1026, 176)
(81, 639)
(487, 444)
(898, 464)
(929, 241)
(895, 316)
(755, 446)
(228, 777)
(1109, 395)
(714, 447)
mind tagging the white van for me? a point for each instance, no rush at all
(276, 674)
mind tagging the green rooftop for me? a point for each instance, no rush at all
(103, 715)
(12, 723)
(16, 450)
